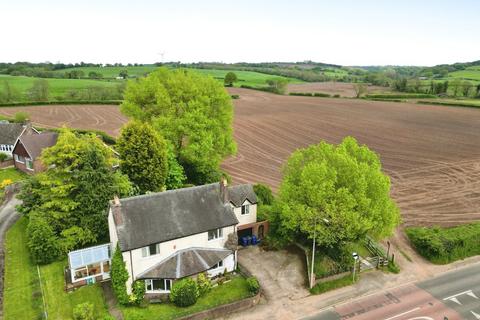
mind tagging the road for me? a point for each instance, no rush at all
(453, 296)
(8, 215)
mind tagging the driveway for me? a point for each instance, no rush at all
(281, 273)
(8, 215)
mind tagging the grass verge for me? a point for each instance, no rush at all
(453, 103)
(22, 294)
(331, 285)
(232, 291)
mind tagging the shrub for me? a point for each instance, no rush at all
(138, 292)
(235, 96)
(21, 117)
(336, 96)
(264, 194)
(304, 94)
(119, 275)
(184, 293)
(444, 245)
(322, 95)
(3, 156)
(400, 96)
(42, 241)
(204, 284)
(253, 285)
(83, 311)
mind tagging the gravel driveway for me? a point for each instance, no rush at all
(280, 273)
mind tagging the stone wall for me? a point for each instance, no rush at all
(6, 163)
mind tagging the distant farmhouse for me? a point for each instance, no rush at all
(174, 234)
(28, 148)
(9, 134)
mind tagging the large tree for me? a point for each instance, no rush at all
(143, 156)
(193, 112)
(72, 195)
(338, 192)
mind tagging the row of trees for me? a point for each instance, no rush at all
(455, 87)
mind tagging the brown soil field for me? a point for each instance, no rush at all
(94, 117)
(341, 88)
(431, 153)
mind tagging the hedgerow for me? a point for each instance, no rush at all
(39, 103)
(401, 96)
(444, 245)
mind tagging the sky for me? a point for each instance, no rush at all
(357, 32)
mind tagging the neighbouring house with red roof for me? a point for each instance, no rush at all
(28, 148)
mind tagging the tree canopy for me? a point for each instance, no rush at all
(143, 156)
(229, 79)
(72, 195)
(193, 112)
(339, 189)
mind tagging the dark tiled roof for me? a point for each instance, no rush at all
(173, 214)
(238, 194)
(35, 143)
(185, 263)
(9, 132)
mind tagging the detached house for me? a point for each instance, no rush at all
(28, 148)
(174, 234)
(9, 134)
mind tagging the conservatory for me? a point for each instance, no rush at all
(89, 265)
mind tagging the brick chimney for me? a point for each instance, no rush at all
(224, 190)
(116, 211)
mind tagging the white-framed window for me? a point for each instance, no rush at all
(19, 159)
(245, 209)
(151, 250)
(217, 265)
(158, 285)
(215, 234)
(29, 163)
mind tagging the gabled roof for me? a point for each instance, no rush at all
(9, 132)
(184, 263)
(239, 193)
(34, 144)
(173, 214)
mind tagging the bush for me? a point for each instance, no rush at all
(401, 96)
(204, 284)
(3, 156)
(83, 311)
(322, 95)
(336, 96)
(119, 276)
(444, 245)
(138, 292)
(253, 285)
(42, 241)
(235, 96)
(304, 94)
(264, 194)
(184, 293)
(21, 117)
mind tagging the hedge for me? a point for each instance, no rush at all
(452, 103)
(39, 103)
(445, 245)
(308, 94)
(401, 96)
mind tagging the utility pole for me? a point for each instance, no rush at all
(312, 281)
(355, 258)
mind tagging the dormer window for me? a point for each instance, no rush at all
(151, 250)
(245, 209)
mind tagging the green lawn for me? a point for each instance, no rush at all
(334, 284)
(12, 174)
(249, 78)
(57, 87)
(22, 295)
(234, 290)
(470, 73)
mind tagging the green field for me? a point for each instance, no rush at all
(249, 78)
(23, 293)
(57, 87)
(470, 73)
(112, 72)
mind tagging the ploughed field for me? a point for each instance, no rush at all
(106, 118)
(432, 153)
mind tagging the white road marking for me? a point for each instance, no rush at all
(454, 297)
(475, 314)
(402, 314)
